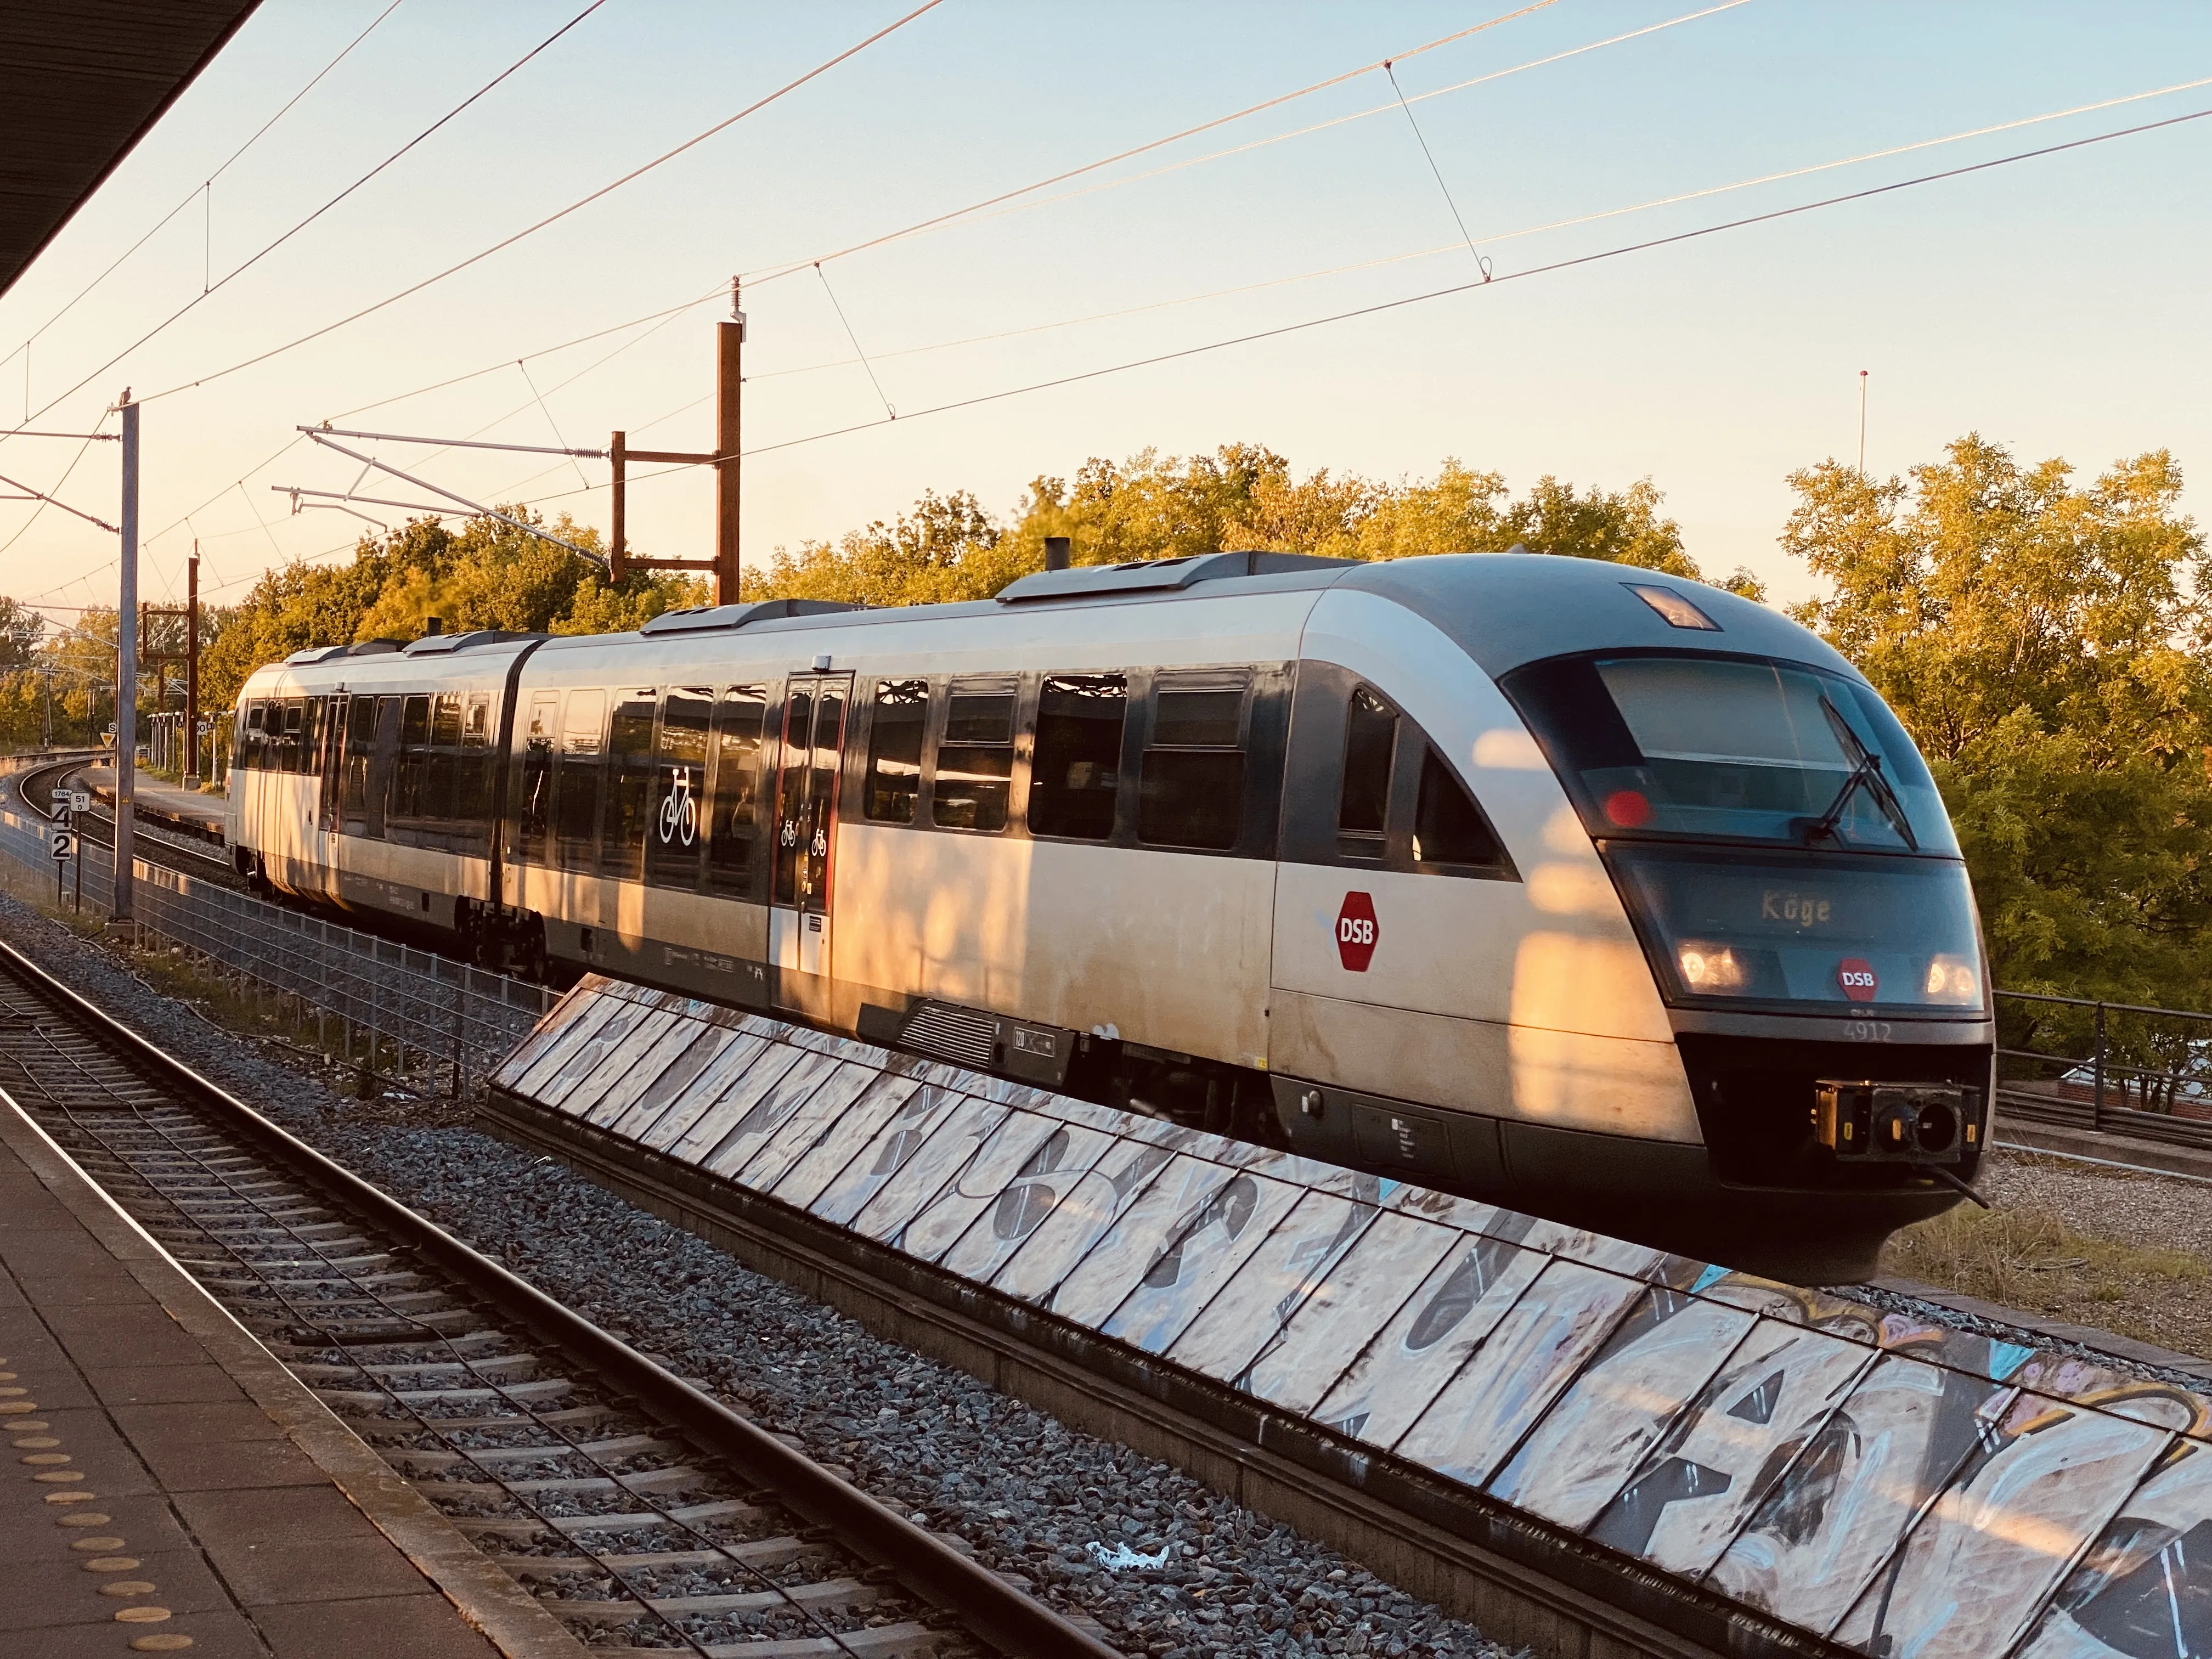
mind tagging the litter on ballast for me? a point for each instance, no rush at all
(1123, 1556)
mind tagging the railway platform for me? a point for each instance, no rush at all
(186, 808)
(171, 1488)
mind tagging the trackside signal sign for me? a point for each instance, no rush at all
(1357, 932)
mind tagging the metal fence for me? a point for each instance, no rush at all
(2114, 1067)
(410, 1015)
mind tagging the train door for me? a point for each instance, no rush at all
(799, 921)
(335, 711)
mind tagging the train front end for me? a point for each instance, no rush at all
(1790, 871)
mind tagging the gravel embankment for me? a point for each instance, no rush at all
(1035, 1499)
(2155, 1212)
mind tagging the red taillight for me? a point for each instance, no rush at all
(1628, 808)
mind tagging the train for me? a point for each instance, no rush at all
(1569, 886)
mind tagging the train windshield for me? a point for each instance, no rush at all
(1739, 749)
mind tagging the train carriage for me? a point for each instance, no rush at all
(1556, 883)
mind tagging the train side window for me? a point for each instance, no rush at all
(677, 828)
(629, 786)
(311, 736)
(1078, 769)
(895, 729)
(353, 783)
(1448, 828)
(440, 804)
(974, 757)
(576, 787)
(288, 750)
(403, 810)
(1192, 788)
(1363, 801)
(534, 796)
(250, 721)
(734, 820)
(472, 779)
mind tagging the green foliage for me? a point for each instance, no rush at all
(2044, 641)
(1242, 495)
(484, 575)
(20, 630)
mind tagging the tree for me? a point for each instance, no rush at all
(2043, 642)
(486, 573)
(20, 630)
(1242, 495)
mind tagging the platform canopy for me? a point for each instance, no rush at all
(80, 82)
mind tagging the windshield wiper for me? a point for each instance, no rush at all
(1866, 774)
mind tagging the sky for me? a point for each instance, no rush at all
(2054, 304)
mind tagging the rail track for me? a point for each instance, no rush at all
(641, 1512)
(155, 843)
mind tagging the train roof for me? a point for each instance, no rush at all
(1503, 609)
(1507, 608)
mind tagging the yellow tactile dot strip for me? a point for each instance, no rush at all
(41, 1453)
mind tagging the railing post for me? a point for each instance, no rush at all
(2097, 1100)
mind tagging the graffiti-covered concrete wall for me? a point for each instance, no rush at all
(1904, 1488)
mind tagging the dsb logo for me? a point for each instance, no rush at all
(1357, 932)
(1855, 976)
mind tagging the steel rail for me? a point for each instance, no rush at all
(992, 1610)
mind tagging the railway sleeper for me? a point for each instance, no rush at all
(551, 1388)
(367, 1423)
(628, 1445)
(733, 1510)
(905, 1640)
(679, 1478)
(519, 1367)
(761, 1553)
(829, 1593)
(383, 1334)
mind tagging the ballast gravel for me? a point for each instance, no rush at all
(1078, 1520)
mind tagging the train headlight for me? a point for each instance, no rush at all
(1953, 979)
(1711, 970)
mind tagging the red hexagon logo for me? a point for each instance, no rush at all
(1357, 932)
(1855, 977)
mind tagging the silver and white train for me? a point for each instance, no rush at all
(1558, 884)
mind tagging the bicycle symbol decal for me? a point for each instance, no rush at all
(679, 810)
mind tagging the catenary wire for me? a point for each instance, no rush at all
(1493, 237)
(1381, 307)
(24, 528)
(553, 218)
(719, 289)
(916, 228)
(1552, 268)
(1582, 219)
(209, 180)
(1429, 156)
(716, 292)
(253, 259)
(999, 206)
(1187, 300)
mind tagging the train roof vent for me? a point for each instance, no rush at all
(375, 647)
(439, 645)
(1087, 581)
(316, 653)
(701, 618)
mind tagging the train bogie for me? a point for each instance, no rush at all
(1540, 879)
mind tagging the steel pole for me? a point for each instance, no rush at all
(126, 667)
(192, 774)
(729, 342)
